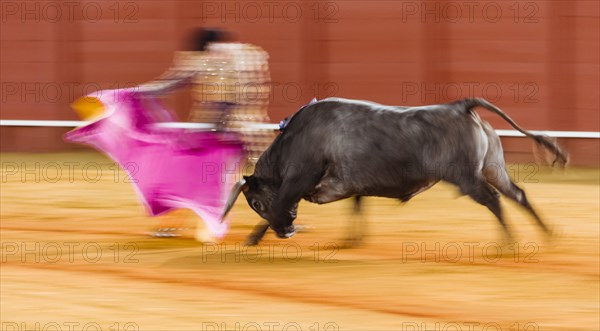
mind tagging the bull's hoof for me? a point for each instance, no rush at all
(252, 241)
(352, 242)
(553, 236)
(550, 233)
(508, 240)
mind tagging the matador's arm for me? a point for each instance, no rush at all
(169, 81)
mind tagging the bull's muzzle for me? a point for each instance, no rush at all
(286, 232)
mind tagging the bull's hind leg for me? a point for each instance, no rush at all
(502, 182)
(486, 195)
(356, 226)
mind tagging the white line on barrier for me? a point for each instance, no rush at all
(555, 134)
(269, 126)
(65, 124)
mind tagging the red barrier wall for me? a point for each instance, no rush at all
(537, 60)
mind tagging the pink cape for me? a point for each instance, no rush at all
(169, 167)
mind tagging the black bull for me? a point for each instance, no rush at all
(338, 148)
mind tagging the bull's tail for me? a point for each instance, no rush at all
(560, 156)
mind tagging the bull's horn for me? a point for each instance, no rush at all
(235, 192)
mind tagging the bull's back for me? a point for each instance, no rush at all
(342, 127)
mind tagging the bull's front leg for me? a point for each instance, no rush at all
(285, 214)
(285, 206)
(261, 228)
(257, 234)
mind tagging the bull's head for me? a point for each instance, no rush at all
(260, 195)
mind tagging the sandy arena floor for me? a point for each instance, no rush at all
(76, 254)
